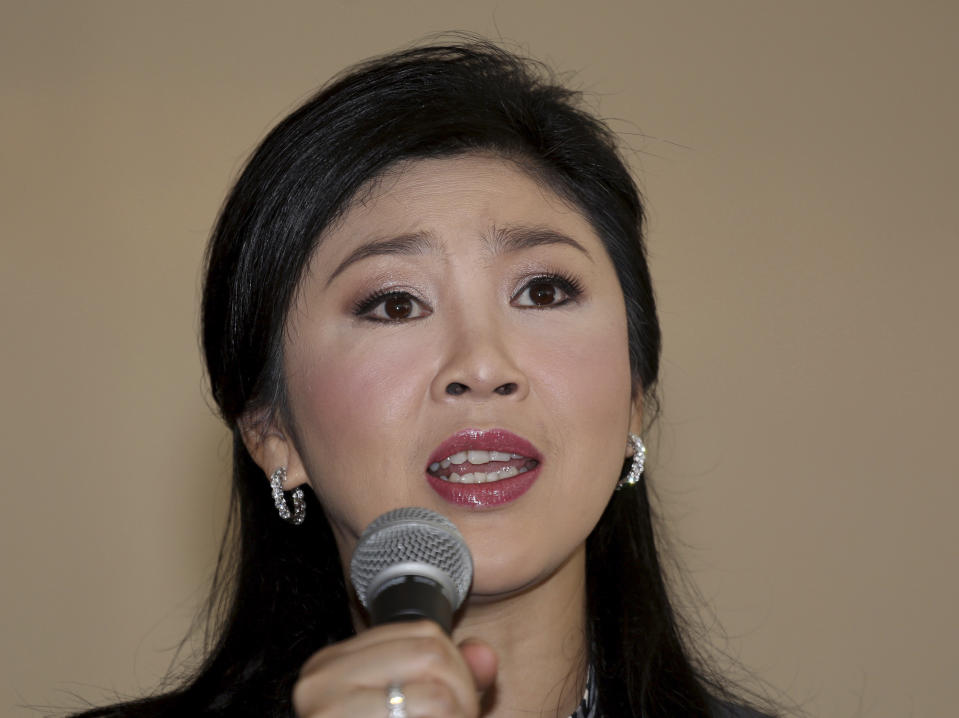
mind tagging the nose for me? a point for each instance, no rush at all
(455, 388)
(479, 363)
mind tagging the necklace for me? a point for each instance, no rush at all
(587, 707)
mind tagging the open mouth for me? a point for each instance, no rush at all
(478, 466)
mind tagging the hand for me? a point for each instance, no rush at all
(350, 679)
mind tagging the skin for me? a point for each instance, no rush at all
(369, 404)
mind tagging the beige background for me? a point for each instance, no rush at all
(800, 162)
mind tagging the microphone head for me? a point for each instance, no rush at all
(412, 541)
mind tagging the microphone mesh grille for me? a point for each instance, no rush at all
(411, 535)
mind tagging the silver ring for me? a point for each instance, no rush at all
(395, 701)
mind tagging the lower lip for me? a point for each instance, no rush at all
(480, 496)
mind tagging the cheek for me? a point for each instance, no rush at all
(586, 377)
(365, 388)
(362, 378)
(587, 371)
(581, 384)
(346, 397)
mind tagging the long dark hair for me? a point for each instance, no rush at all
(279, 590)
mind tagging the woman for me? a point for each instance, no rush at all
(428, 288)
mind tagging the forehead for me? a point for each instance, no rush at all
(451, 199)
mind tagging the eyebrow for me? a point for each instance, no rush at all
(412, 243)
(516, 238)
(500, 241)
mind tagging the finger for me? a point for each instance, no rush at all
(430, 699)
(427, 699)
(357, 703)
(419, 657)
(414, 654)
(373, 637)
(481, 661)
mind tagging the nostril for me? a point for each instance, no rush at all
(507, 388)
(454, 388)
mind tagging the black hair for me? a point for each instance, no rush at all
(279, 589)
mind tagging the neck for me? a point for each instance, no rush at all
(540, 638)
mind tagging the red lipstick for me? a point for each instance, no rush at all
(494, 493)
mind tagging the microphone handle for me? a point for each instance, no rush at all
(411, 598)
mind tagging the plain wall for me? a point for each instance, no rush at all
(800, 165)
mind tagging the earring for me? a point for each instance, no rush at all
(638, 463)
(299, 505)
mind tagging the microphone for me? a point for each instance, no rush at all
(411, 563)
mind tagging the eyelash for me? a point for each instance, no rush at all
(567, 284)
(364, 307)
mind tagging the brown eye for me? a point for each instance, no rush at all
(398, 307)
(542, 294)
(546, 292)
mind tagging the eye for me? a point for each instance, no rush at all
(391, 306)
(550, 290)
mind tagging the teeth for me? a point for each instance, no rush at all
(474, 456)
(477, 457)
(478, 477)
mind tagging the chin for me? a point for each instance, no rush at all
(499, 577)
(501, 588)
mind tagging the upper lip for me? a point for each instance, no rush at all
(485, 439)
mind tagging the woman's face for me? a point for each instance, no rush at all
(460, 306)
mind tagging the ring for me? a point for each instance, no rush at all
(395, 701)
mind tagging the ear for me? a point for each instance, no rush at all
(271, 446)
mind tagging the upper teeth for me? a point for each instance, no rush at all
(474, 456)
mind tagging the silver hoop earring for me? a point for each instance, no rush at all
(296, 516)
(638, 464)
